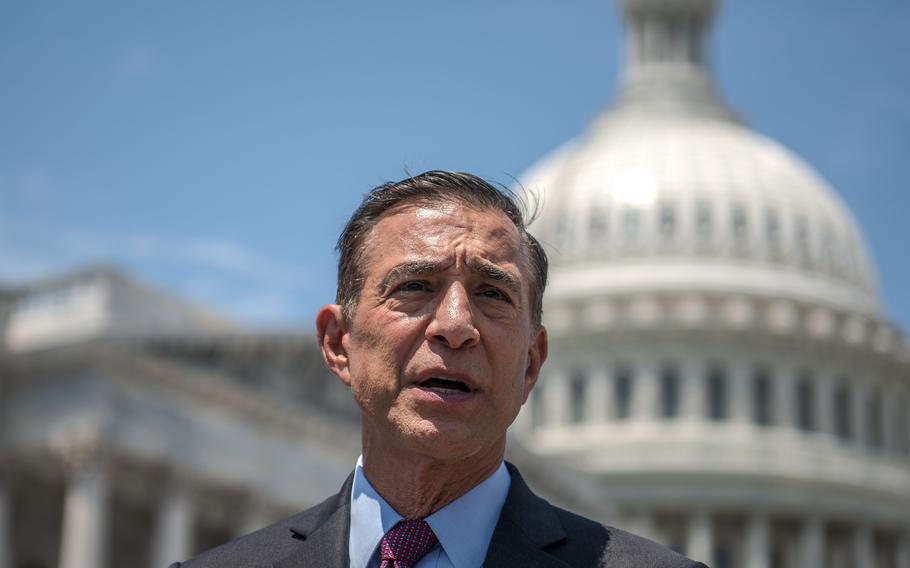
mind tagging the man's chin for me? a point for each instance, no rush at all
(446, 442)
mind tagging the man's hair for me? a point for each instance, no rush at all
(429, 188)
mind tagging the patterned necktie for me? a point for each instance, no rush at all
(406, 543)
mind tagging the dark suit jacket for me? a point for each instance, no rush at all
(530, 533)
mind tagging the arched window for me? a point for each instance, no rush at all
(842, 414)
(597, 227)
(716, 392)
(623, 383)
(875, 427)
(667, 221)
(805, 402)
(703, 219)
(902, 428)
(761, 396)
(578, 387)
(669, 391)
(803, 247)
(739, 224)
(772, 232)
(631, 222)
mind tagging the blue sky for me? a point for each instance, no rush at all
(215, 147)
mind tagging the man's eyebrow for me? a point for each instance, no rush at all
(492, 272)
(409, 268)
(413, 268)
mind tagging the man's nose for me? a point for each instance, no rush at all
(453, 320)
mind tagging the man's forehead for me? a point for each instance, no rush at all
(428, 228)
(485, 223)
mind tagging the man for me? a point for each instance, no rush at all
(437, 332)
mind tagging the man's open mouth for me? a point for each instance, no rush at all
(444, 386)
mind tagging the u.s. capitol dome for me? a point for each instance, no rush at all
(720, 360)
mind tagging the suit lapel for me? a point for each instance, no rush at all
(526, 525)
(322, 533)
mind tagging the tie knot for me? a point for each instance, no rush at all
(406, 543)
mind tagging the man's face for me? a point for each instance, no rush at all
(441, 351)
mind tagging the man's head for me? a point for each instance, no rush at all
(436, 329)
(429, 188)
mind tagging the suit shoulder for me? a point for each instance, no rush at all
(258, 549)
(577, 526)
(627, 550)
(262, 548)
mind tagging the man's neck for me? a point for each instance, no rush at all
(417, 485)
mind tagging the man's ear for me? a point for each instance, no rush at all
(332, 334)
(537, 354)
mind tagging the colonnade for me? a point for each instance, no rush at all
(557, 408)
(86, 524)
(6, 541)
(758, 547)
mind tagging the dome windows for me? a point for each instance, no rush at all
(578, 388)
(761, 396)
(717, 398)
(902, 428)
(669, 391)
(739, 226)
(875, 427)
(703, 220)
(803, 247)
(724, 391)
(667, 221)
(623, 383)
(598, 228)
(631, 222)
(843, 427)
(805, 401)
(772, 234)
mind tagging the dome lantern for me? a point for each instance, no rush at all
(666, 66)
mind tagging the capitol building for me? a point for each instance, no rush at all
(722, 375)
(721, 363)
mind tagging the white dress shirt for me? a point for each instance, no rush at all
(464, 527)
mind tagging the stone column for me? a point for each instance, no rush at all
(645, 391)
(783, 397)
(85, 518)
(740, 389)
(700, 537)
(863, 554)
(758, 542)
(903, 549)
(173, 537)
(812, 543)
(890, 409)
(858, 408)
(693, 391)
(6, 541)
(824, 402)
(599, 396)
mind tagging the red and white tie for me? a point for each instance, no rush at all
(406, 543)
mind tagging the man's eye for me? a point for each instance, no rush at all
(413, 286)
(494, 294)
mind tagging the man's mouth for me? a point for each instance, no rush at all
(443, 385)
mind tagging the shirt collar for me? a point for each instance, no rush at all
(464, 527)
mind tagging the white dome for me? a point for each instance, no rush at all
(668, 191)
(689, 201)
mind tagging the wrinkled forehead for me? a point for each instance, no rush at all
(439, 221)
